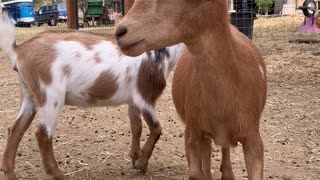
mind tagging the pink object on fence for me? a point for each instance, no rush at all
(308, 26)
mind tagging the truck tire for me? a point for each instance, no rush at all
(53, 22)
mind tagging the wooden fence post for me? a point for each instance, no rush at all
(72, 8)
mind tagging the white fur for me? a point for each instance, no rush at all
(7, 37)
(84, 72)
(143, 105)
(27, 104)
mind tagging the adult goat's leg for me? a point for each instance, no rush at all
(49, 115)
(155, 132)
(206, 146)
(194, 153)
(136, 129)
(226, 167)
(253, 154)
(15, 134)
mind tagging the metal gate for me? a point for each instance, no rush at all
(96, 15)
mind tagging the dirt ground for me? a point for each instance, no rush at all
(93, 143)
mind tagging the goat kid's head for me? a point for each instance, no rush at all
(154, 24)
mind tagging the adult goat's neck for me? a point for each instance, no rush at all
(213, 52)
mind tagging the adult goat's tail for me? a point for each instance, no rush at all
(7, 36)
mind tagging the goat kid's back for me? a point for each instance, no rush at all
(90, 70)
(82, 69)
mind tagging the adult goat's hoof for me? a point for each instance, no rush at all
(141, 165)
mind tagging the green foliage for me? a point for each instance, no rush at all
(109, 4)
(38, 3)
(264, 4)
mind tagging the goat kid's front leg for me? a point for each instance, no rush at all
(155, 132)
(136, 130)
(15, 134)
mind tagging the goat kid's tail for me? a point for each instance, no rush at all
(7, 36)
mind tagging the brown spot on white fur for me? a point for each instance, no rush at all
(149, 72)
(104, 87)
(43, 98)
(66, 70)
(37, 67)
(128, 76)
(78, 55)
(55, 104)
(97, 58)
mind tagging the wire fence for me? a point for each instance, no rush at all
(293, 31)
(287, 29)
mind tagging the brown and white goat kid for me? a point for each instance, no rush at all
(82, 69)
(219, 87)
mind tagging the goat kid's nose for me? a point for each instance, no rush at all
(120, 32)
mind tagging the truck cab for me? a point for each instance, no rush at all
(51, 14)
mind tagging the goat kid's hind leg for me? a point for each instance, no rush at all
(226, 167)
(15, 134)
(49, 115)
(155, 132)
(136, 130)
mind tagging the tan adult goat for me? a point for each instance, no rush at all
(219, 89)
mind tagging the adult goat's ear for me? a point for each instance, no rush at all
(117, 17)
